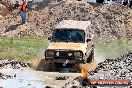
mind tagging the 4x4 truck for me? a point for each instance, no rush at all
(71, 43)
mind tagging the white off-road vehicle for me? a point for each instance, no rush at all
(71, 43)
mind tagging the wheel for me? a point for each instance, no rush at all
(85, 82)
(91, 57)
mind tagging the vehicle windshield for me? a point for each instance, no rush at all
(68, 35)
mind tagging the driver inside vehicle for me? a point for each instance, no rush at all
(75, 36)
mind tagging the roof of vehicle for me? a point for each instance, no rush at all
(74, 24)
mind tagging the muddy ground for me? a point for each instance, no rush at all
(23, 74)
(19, 74)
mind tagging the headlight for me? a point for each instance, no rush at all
(57, 54)
(50, 53)
(78, 54)
(69, 54)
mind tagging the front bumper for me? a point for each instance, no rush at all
(62, 61)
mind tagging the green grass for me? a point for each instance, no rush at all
(32, 47)
(113, 49)
(22, 48)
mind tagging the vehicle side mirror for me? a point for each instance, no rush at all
(49, 38)
(88, 40)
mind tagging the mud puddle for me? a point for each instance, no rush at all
(28, 78)
(17, 74)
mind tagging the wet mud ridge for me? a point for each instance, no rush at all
(14, 64)
(11, 64)
(4, 77)
(120, 68)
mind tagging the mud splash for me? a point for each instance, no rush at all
(18, 74)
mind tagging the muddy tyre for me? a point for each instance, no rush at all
(91, 57)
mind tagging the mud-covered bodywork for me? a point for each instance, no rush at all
(70, 44)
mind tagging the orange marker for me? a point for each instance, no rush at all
(84, 73)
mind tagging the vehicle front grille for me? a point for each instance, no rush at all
(64, 54)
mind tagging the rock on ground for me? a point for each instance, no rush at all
(109, 21)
